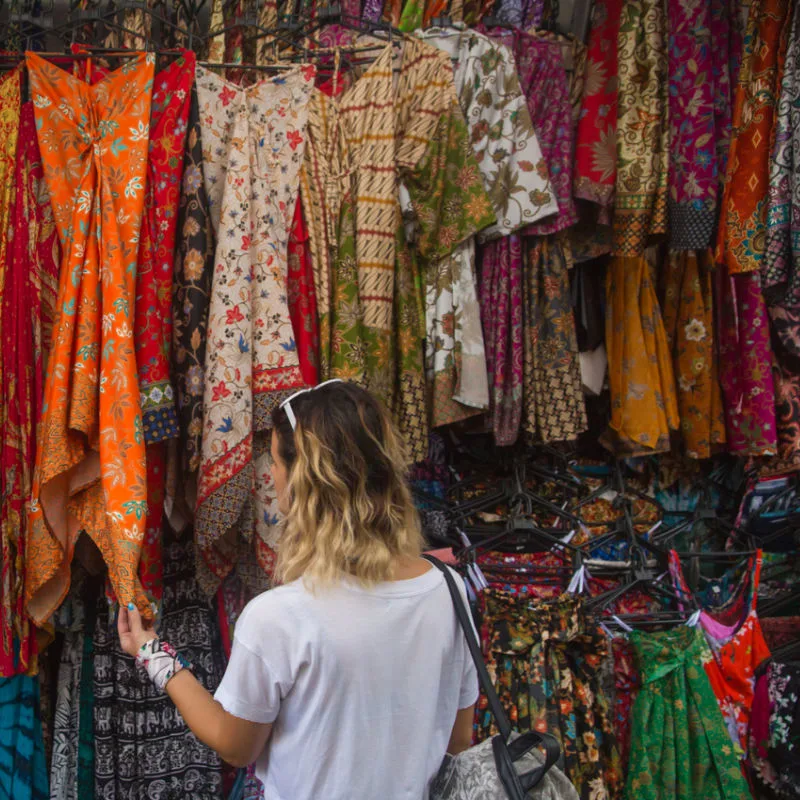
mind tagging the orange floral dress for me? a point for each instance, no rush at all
(90, 460)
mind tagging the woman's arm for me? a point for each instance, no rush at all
(461, 737)
(238, 741)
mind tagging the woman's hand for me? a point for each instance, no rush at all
(133, 630)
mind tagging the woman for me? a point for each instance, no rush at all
(352, 679)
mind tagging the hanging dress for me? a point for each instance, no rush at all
(90, 462)
(679, 747)
(689, 324)
(516, 179)
(27, 310)
(253, 144)
(362, 144)
(154, 279)
(736, 649)
(194, 267)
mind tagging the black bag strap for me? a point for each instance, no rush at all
(505, 754)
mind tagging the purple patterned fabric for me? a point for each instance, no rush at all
(501, 313)
(725, 56)
(545, 85)
(373, 9)
(693, 180)
(745, 364)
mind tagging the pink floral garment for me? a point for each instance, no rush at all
(693, 180)
(745, 364)
(501, 314)
(253, 145)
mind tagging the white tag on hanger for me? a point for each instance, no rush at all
(693, 620)
(577, 584)
(655, 527)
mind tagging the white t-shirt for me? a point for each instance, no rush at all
(362, 685)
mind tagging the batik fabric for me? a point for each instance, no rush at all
(90, 462)
(644, 407)
(689, 324)
(142, 746)
(23, 769)
(640, 201)
(741, 237)
(693, 172)
(545, 663)
(27, 310)
(253, 143)
(676, 696)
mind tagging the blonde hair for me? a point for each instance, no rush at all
(351, 511)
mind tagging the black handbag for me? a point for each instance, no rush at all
(481, 780)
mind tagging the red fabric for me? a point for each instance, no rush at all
(153, 321)
(302, 298)
(28, 309)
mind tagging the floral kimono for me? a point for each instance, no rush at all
(517, 180)
(253, 143)
(90, 462)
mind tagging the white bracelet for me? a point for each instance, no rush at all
(161, 662)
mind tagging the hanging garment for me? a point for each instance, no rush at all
(644, 407)
(23, 770)
(784, 728)
(544, 82)
(302, 298)
(516, 179)
(501, 285)
(745, 364)
(362, 145)
(595, 136)
(741, 237)
(142, 746)
(27, 310)
(679, 747)
(727, 35)
(545, 662)
(736, 648)
(553, 394)
(10, 98)
(90, 463)
(693, 174)
(253, 143)
(780, 276)
(689, 324)
(194, 266)
(640, 201)
(169, 113)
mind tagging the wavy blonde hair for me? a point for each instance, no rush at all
(350, 508)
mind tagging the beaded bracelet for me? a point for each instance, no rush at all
(161, 661)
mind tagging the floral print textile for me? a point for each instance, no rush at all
(501, 285)
(554, 409)
(644, 407)
(735, 651)
(742, 231)
(745, 361)
(194, 266)
(545, 664)
(27, 309)
(640, 202)
(693, 177)
(544, 83)
(169, 112)
(90, 460)
(676, 696)
(253, 143)
(780, 276)
(689, 324)
(595, 136)
(784, 727)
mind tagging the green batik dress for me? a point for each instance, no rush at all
(680, 748)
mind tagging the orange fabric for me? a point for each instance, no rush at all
(90, 460)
